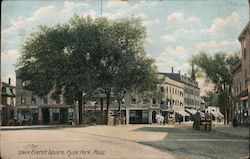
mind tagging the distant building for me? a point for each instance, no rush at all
(7, 102)
(141, 109)
(41, 110)
(192, 97)
(241, 77)
(136, 108)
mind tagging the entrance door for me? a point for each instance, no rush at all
(63, 115)
(153, 117)
(46, 115)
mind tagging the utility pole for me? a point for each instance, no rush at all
(101, 7)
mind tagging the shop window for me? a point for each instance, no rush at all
(24, 114)
(70, 113)
(132, 115)
(144, 116)
(56, 114)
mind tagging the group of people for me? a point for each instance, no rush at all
(198, 120)
(160, 119)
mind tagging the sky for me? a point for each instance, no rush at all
(176, 29)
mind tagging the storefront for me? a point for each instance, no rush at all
(138, 116)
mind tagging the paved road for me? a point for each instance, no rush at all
(114, 142)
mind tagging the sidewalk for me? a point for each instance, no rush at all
(242, 132)
(2, 128)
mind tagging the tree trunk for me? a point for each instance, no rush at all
(80, 110)
(107, 109)
(102, 105)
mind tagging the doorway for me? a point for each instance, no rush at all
(154, 117)
(46, 115)
(63, 115)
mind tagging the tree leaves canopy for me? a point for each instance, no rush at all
(85, 54)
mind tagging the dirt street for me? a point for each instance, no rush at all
(114, 142)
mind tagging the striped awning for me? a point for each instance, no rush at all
(182, 113)
(191, 111)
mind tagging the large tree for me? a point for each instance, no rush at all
(217, 69)
(85, 54)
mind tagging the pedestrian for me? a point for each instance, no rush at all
(179, 119)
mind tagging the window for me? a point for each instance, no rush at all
(58, 100)
(133, 100)
(244, 48)
(23, 83)
(56, 113)
(167, 89)
(145, 101)
(245, 54)
(23, 99)
(132, 115)
(162, 89)
(144, 116)
(33, 100)
(34, 110)
(44, 100)
(24, 114)
(154, 101)
(245, 74)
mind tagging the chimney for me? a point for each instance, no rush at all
(9, 81)
(185, 74)
(172, 69)
(179, 72)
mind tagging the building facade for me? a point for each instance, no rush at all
(137, 109)
(7, 102)
(33, 109)
(191, 93)
(241, 78)
(141, 109)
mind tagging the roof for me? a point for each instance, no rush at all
(237, 67)
(95, 94)
(180, 78)
(243, 32)
(8, 90)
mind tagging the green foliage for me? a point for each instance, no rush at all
(217, 69)
(87, 53)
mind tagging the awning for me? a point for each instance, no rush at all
(202, 114)
(244, 98)
(191, 111)
(220, 114)
(182, 113)
(215, 114)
